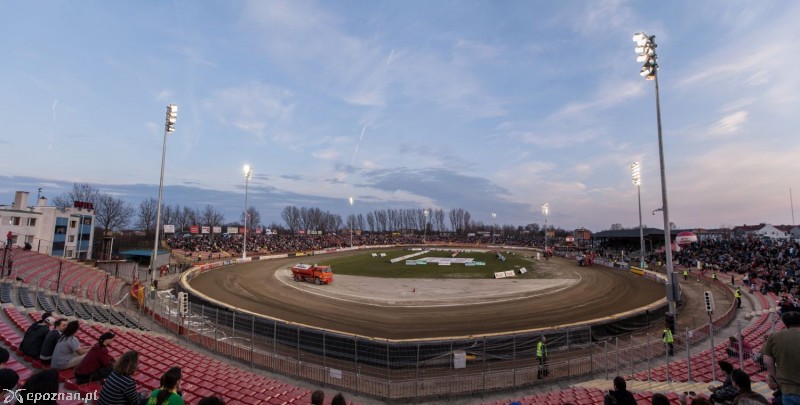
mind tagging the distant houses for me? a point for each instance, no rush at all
(767, 231)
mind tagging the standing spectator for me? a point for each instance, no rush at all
(34, 337)
(169, 391)
(541, 356)
(782, 358)
(746, 395)
(8, 381)
(666, 337)
(620, 394)
(97, 364)
(318, 397)
(120, 388)
(51, 339)
(68, 352)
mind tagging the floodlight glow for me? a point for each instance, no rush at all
(545, 208)
(248, 172)
(351, 201)
(636, 174)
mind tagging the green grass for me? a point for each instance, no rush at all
(363, 264)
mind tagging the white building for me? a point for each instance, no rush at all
(65, 233)
(769, 231)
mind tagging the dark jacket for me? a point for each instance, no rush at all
(49, 344)
(623, 397)
(34, 339)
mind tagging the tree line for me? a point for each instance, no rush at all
(113, 214)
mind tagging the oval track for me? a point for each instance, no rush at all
(602, 292)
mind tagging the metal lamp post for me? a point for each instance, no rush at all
(636, 178)
(248, 172)
(352, 221)
(425, 213)
(646, 49)
(169, 127)
(494, 225)
(545, 211)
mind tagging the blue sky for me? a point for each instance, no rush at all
(488, 106)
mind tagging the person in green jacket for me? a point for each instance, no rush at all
(541, 356)
(169, 393)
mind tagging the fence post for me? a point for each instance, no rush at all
(233, 326)
(713, 355)
(252, 339)
(688, 358)
(358, 372)
(616, 348)
(771, 322)
(388, 374)
(514, 359)
(297, 329)
(216, 327)
(591, 359)
(649, 355)
(630, 357)
(606, 357)
(324, 363)
(274, 343)
(666, 358)
(741, 344)
(416, 381)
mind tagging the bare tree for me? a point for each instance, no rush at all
(168, 215)
(112, 213)
(291, 216)
(211, 216)
(371, 221)
(439, 220)
(253, 217)
(146, 219)
(80, 192)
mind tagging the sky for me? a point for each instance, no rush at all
(490, 106)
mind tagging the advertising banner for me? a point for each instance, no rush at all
(194, 229)
(205, 229)
(169, 228)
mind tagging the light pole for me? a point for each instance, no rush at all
(425, 214)
(169, 127)
(494, 225)
(636, 178)
(545, 211)
(352, 221)
(646, 48)
(248, 172)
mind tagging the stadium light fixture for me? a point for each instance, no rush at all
(248, 172)
(636, 179)
(646, 48)
(494, 225)
(545, 211)
(352, 221)
(169, 127)
(425, 213)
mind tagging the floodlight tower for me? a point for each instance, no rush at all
(352, 221)
(636, 178)
(425, 213)
(646, 49)
(494, 225)
(248, 172)
(545, 211)
(169, 127)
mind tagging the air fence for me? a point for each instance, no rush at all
(424, 369)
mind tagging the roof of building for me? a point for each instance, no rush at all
(631, 233)
(142, 252)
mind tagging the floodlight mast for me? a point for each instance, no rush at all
(248, 172)
(169, 127)
(545, 211)
(636, 178)
(646, 49)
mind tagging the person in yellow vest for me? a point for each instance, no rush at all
(714, 276)
(541, 356)
(685, 274)
(666, 336)
(738, 295)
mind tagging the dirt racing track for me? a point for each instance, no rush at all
(413, 309)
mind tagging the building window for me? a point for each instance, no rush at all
(71, 238)
(31, 221)
(15, 221)
(29, 239)
(73, 224)
(69, 253)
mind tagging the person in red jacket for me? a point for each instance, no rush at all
(98, 363)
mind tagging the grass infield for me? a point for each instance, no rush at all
(363, 264)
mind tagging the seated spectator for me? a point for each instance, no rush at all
(169, 392)
(620, 394)
(338, 400)
(726, 392)
(44, 383)
(318, 397)
(97, 364)
(52, 338)
(120, 388)
(8, 381)
(68, 352)
(4, 356)
(211, 401)
(746, 395)
(659, 399)
(34, 337)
